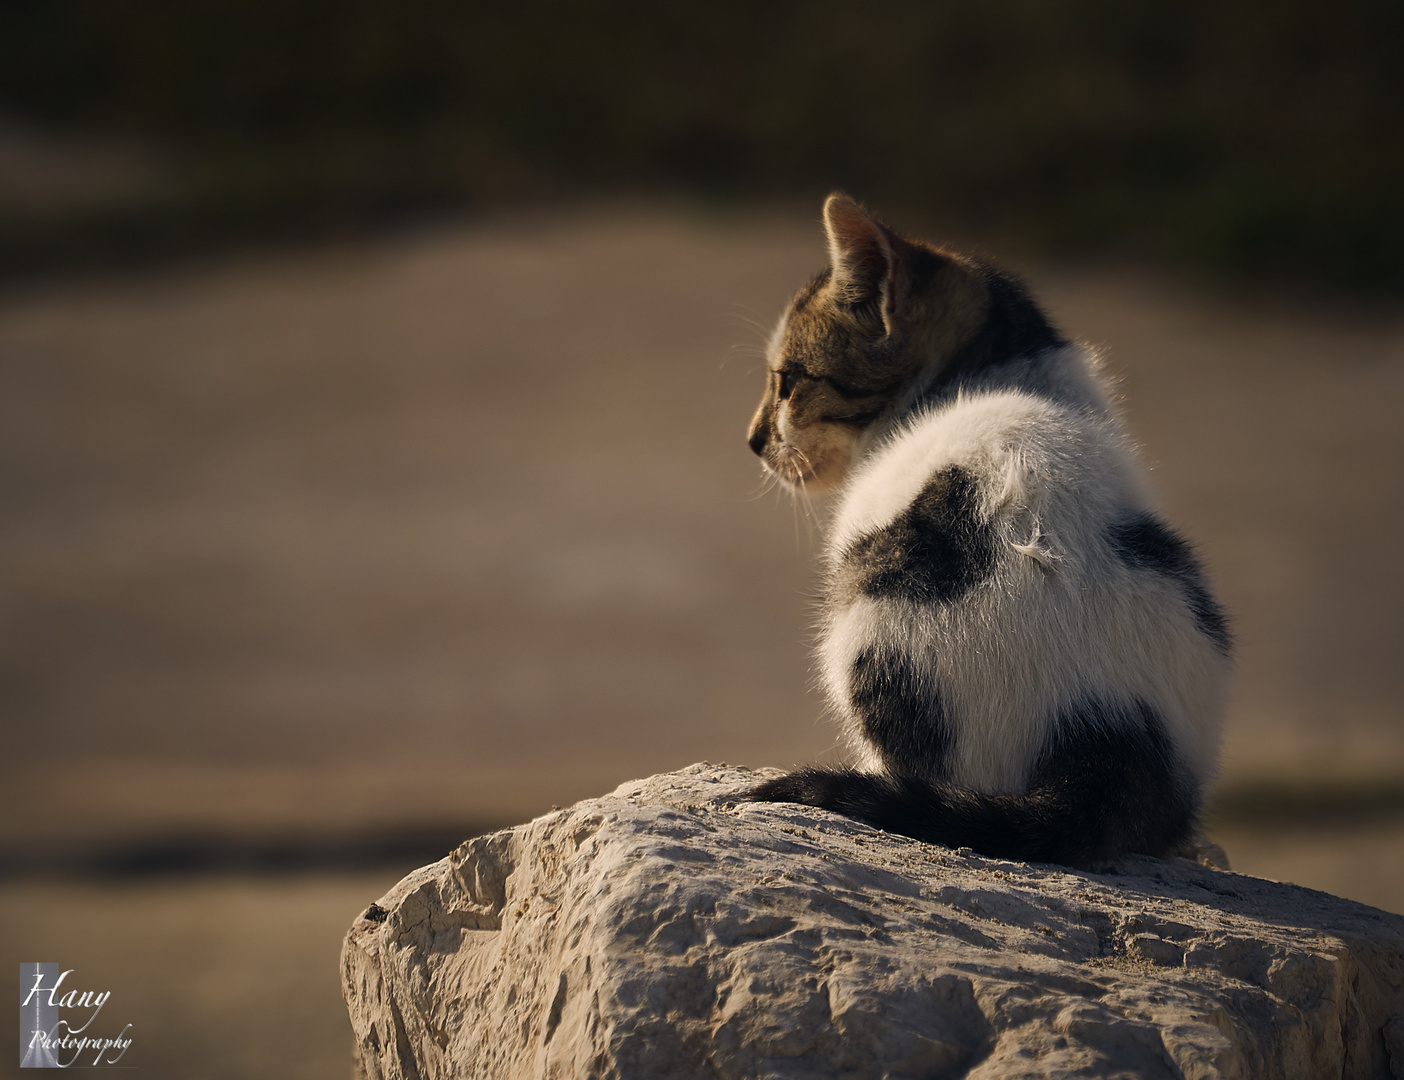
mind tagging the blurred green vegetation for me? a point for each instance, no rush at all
(1247, 137)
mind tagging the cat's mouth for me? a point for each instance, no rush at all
(810, 473)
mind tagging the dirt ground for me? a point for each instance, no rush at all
(460, 525)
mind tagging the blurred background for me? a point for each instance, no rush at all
(373, 382)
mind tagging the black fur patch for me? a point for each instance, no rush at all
(934, 552)
(1015, 328)
(1147, 543)
(1107, 784)
(901, 711)
(1113, 772)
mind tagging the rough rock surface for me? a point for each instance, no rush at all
(662, 931)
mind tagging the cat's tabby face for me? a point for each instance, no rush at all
(852, 341)
(827, 379)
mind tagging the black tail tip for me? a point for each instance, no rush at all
(808, 786)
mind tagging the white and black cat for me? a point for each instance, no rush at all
(1026, 659)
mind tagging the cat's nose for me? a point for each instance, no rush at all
(757, 441)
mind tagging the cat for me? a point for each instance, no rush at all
(1027, 661)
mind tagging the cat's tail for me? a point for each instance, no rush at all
(1074, 824)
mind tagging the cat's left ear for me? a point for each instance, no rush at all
(866, 259)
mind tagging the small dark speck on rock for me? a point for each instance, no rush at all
(376, 913)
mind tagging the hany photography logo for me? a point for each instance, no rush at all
(56, 1022)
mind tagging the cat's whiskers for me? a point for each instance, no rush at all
(806, 504)
(763, 329)
(801, 464)
(794, 514)
(751, 350)
(768, 483)
(796, 464)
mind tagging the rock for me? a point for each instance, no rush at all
(662, 931)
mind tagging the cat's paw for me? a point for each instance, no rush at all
(1200, 849)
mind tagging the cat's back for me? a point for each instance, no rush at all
(984, 548)
(1017, 457)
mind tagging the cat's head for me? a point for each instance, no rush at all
(854, 340)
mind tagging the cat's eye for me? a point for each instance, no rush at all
(788, 378)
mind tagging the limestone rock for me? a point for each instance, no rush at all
(662, 931)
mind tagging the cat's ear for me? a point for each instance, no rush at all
(865, 258)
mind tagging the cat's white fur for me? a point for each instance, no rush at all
(1061, 619)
